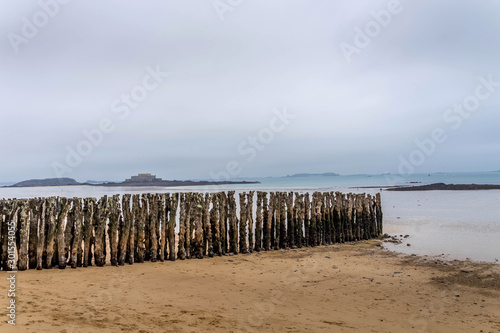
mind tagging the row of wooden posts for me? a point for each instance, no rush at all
(56, 232)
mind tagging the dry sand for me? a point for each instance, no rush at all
(340, 288)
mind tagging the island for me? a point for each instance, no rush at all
(446, 187)
(326, 174)
(142, 179)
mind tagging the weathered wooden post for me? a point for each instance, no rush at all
(215, 225)
(273, 207)
(267, 222)
(250, 220)
(198, 224)
(41, 235)
(277, 220)
(23, 230)
(125, 233)
(51, 232)
(12, 219)
(181, 252)
(298, 220)
(368, 215)
(379, 214)
(153, 222)
(323, 217)
(224, 228)
(162, 218)
(173, 201)
(140, 211)
(65, 205)
(4, 233)
(34, 215)
(188, 225)
(76, 241)
(350, 216)
(114, 221)
(328, 219)
(147, 226)
(290, 220)
(312, 224)
(100, 217)
(233, 223)
(68, 232)
(283, 231)
(307, 221)
(318, 205)
(207, 227)
(88, 228)
(243, 223)
(258, 223)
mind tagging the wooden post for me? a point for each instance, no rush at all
(290, 220)
(162, 225)
(51, 232)
(350, 217)
(23, 230)
(125, 232)
(188, 224)
(34, 213)
(283, 231)
(198, 224)
(215, 225)
(173, 201)
(250, 220)
(307, 222)
(114, 221)
(181, 253)
(224, 228)
(153, 220)
(328, 219)
(323, 217)
(88, 228)
(76, 241)
(61, 225)
(267, 211)
(297, 213)
(68, 232)
(243, 223)
(11, 218)
(207, 226)
(147, 227)
(379, 214)
(100, 218)
(312, 225)
(277, 220)
(233, 223)
(4, 233)
(41, 235)
(140, 218)
(258, 223)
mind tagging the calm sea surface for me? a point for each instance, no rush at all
(453, 224)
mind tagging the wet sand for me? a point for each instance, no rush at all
(339, 288)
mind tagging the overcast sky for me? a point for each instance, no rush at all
(349, 103)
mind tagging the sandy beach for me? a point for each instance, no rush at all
(340, 288)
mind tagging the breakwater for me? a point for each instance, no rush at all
(44, 233)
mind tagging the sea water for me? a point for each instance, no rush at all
(452, 224)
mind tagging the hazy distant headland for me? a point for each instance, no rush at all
(326, 174)
(145, 179)
(446, 187)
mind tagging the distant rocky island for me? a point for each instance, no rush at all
(446, 187)
(326, 174)
(142, 179)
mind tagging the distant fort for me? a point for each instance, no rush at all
(143, 178)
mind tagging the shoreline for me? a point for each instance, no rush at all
(353, 287)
